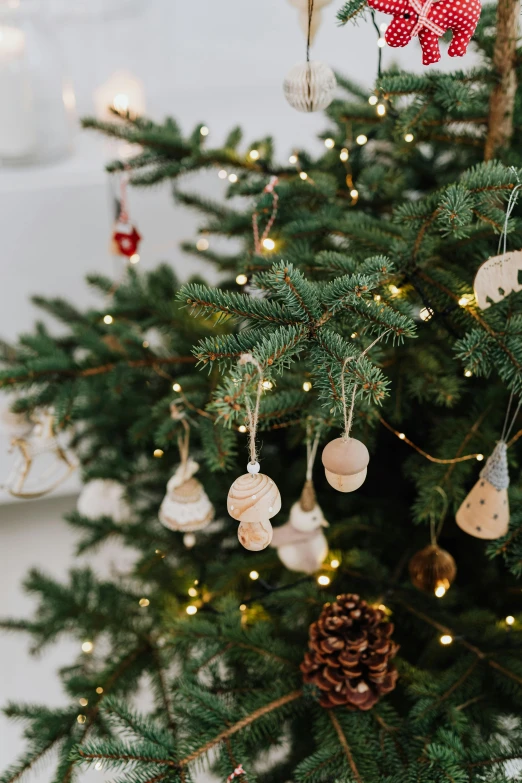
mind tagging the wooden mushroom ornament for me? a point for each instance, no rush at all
(345, 463)
(485, 511)
(301, 544)
(186, 506)
(253, 500)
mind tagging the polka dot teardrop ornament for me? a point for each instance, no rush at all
(253, 500)
(485, 511)
(345, 463)
(310, 86)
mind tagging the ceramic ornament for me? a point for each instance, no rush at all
(253, 500)
(485, 511)
(498, 277)
(301, 544)
(310, 86)
(304, 15)
(345, 463)
(42, 462)
(104, 498)
(432, 569)
(186, 506)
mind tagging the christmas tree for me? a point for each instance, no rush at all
(346, 320)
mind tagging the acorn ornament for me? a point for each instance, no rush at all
(485, 511)
(345, 463)
(253, 500)
(301, 544)
(432, 570)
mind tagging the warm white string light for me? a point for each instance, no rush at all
(202, 244)
(344, 154)
(361, 139)
(241, 279)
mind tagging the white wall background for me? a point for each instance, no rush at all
(218, 62)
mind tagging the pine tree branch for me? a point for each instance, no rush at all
(345, 746)
(164, 690)
(464, 642)
(99, 370)
(241, 724)
(30, 763)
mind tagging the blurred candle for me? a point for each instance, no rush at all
(122, 92)
(18, 125)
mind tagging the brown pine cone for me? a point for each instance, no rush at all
(349, 656)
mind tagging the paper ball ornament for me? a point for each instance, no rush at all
(345, 463)
(485, 511)
(498, 277)
(432, 569)
(104, 498)
(310, 86)
(186, 506)
(253, 500)
(301, 544)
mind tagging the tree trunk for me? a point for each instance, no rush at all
(501, 102)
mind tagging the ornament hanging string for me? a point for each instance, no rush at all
(123, 215)
(513, 198)
(507, 429)
(258, 242)
(348, 412)
(184, 439)
(253, 412)
(309, 34)
(311, 452)
(435, 531)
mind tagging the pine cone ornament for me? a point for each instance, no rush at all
(349, 656)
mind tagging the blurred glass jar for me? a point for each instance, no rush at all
(36, 102)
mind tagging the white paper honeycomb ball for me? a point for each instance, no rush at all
(310, 86)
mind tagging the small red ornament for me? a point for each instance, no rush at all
(125, 239)
(429, 19)
(125, 236)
